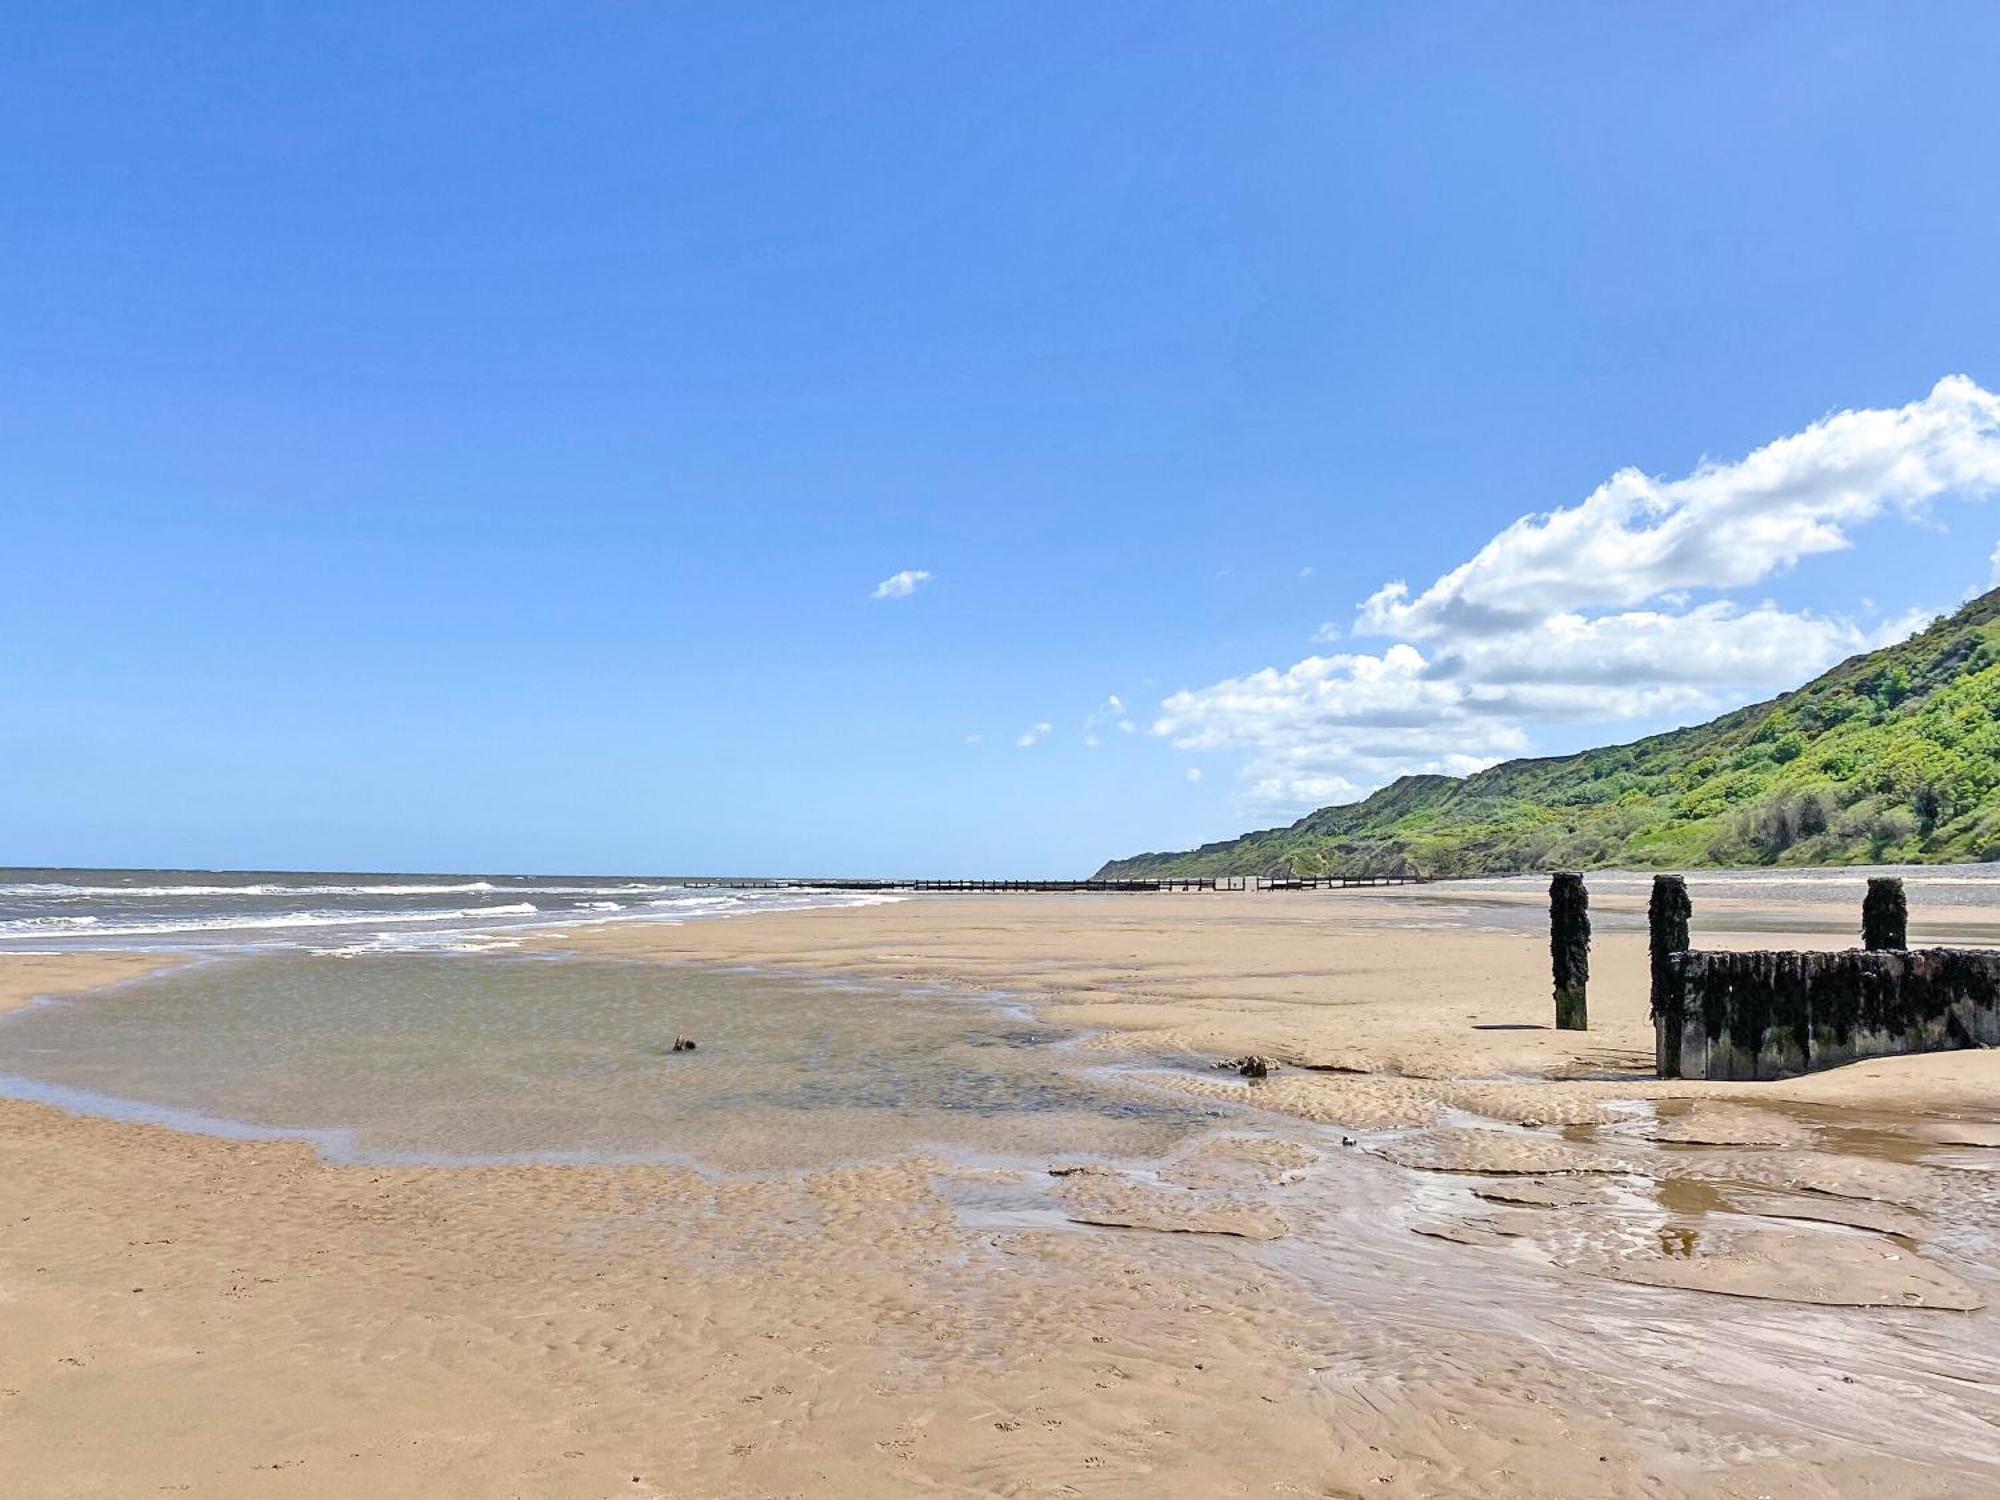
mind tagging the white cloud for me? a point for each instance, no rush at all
(1110, 711)
(1335, 726)
(975, 739)
(1996, 565)
(1652, 652)
(1589, 614)
(1034, 736)
(1306, 571)
(901, 585)
(1636, 538)
(1193, 774)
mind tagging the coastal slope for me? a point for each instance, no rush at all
(1890, 757)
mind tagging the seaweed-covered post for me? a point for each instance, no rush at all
(1885, 915)
(1569, 947)
(1667, 915)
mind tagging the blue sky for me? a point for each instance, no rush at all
(471, 437)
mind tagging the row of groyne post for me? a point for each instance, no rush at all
(1067, 887)
(1766, 1014)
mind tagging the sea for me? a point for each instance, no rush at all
(322, 912)
(405, 1019)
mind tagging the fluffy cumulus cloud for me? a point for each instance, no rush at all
(1636, 538)
(1033, 735)
(901, 585)
(1328, 728)
(1588, 613)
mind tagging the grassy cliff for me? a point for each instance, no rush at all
(1890, 757)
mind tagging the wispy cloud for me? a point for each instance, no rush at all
(1033, 736)
(1193, 774)
(901, 585)
(1588, 613)
(1110, 713)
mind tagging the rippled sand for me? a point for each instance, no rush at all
(240, 1318)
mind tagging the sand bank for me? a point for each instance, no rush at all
(1386, 1005)
(26, 976)
(229, 1318)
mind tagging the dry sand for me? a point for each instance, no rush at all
(181, 1314)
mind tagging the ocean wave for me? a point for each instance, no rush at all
(409, 942)
(464, 888)
(28, 927)
(62, 888)
(461, 928)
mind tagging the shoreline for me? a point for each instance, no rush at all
(290, 1326)
(28, 977)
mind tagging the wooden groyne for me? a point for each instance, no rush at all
(1762, 1015)
(1773, 1015)
(1068, 887)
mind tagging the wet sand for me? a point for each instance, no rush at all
(187, 1314)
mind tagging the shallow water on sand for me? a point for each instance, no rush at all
(457, 1058)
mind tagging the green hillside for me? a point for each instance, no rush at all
(1890, 757)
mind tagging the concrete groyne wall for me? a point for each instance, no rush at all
(1772, 1015)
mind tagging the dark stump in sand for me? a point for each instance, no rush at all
(1885, 915)
(683, 1044)
(1569, 949)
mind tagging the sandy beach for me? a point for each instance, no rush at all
(1441, 1250)
(926, 752)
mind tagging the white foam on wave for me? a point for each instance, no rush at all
(695, 903)
(462, 888)
(414, 942)
(27, 927)
(352, 932)
(62, 888)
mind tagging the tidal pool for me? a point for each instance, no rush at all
(476, 1058)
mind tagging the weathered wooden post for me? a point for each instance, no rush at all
(1569, 947)
(1667, 915)
(1885, 915)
